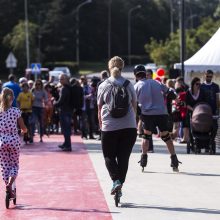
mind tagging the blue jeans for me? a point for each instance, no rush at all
(65, 123)
(37, 115)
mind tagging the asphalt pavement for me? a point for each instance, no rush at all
(56, 185)
(159, 193)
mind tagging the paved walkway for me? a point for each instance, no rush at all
(159, 193)
(55, 185)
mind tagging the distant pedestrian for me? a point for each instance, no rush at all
(103, 75)
(211, 91)
(40, 100)
(88, 110)
(118, 134)
(25, 101)
(11, 84)
(63, 103)
(9, 139)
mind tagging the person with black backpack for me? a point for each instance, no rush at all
(117, 103)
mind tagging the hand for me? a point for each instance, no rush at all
(23, 131)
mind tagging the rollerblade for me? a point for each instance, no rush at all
(143, 161)
(116, 191)
(117, 196)
(10, 195)
(175, 163)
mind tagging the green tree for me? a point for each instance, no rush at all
(168, 52)
(15, 41)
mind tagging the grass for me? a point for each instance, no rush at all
(91, 67)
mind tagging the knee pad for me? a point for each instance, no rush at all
(147, 136)
(166, 137)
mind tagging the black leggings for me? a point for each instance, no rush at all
(117, 146)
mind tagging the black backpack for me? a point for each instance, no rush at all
(119, 101)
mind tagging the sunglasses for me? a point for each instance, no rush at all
(208, 76)
(197, 84)
(38, 84)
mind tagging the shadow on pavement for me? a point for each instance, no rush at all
(174, 209)
(28, 208)
(185, 173)
(51, 147)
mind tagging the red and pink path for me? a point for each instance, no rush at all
(56, 185)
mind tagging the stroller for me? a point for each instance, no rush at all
(201, 130)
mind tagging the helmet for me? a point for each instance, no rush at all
(139, 69)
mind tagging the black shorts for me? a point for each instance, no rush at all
(150, 122)
(185, 122)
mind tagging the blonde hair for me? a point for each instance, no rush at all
(6, 98)
(170, 83)
(115, 65)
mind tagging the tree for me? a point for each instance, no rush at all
(168, 52)
(15, 41)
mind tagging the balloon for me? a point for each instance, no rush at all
(160, 72)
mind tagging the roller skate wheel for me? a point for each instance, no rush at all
(175, 169)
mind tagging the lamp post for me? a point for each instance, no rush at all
(77, 28)
(171, 16)
(26, 34)
(109, 29)
(129, 31)
(182, 35)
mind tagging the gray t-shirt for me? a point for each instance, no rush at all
(40, 97)
(108, 122)
(150, 96)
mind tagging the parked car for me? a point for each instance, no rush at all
(63, 69)
(54, 75)
(44, 74)
(152, 66)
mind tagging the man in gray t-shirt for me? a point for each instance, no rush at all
(150, 96)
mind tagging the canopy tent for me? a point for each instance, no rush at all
(208, 57)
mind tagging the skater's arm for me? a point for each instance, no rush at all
(99, 116)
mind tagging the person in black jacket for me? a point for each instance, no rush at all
(211, 90)
(77, 97)
(65, 112)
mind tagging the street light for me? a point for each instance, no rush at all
(109, 29)
(77, 28)
(171, 16)
(182, 35)
(26, 33)
(129, 31)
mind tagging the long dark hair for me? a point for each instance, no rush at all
(193, 82)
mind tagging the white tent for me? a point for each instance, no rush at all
(208, 57)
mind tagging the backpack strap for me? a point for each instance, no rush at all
(109, 81)
(125, 84)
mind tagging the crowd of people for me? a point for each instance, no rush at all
(98, 107)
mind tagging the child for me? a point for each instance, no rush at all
(25, 101)
(9, 139)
